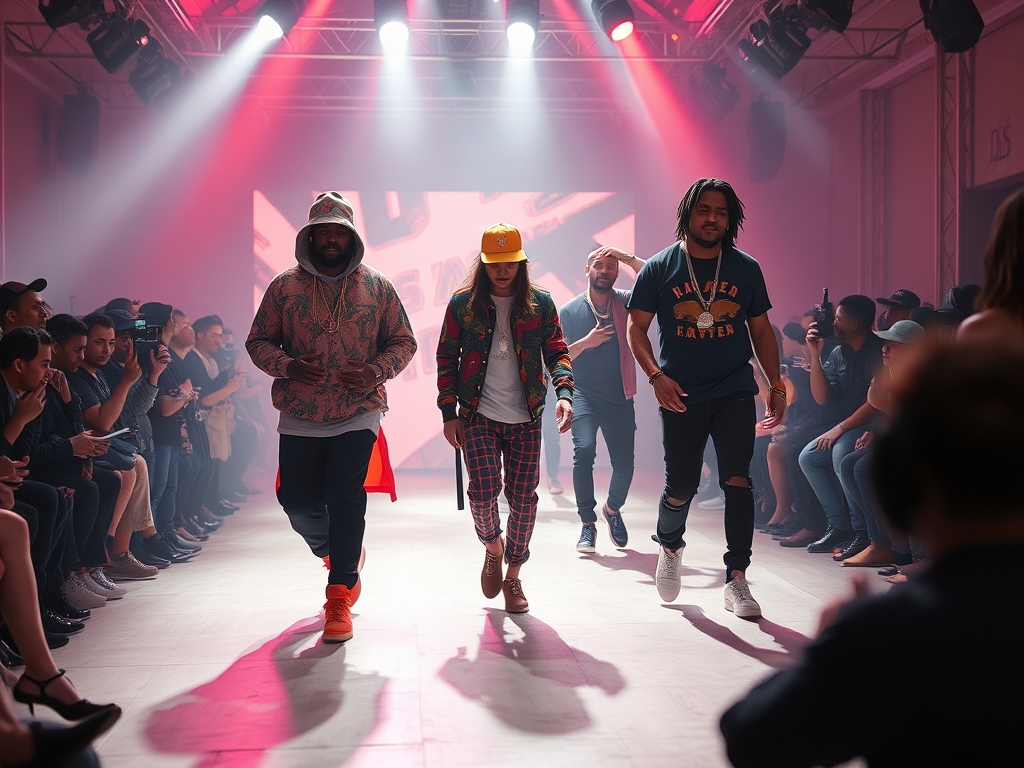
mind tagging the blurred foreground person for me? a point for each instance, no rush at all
(952, 630)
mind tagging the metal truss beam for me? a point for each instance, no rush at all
(435, 40)
(954, 119)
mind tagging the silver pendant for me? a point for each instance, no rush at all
(706, 320)
(503, 344)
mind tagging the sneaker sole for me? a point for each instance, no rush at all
(741, 614)
(336, 637)
(127, 577)
(668, 597)
(586, 549)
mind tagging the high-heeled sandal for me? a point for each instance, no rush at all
(80, 710)
(59, 746)
(8, 657)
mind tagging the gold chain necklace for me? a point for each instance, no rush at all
(333, 322)
(593, 308)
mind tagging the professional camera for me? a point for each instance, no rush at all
(824, 316)
(146, 334)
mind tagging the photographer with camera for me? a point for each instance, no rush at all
(840, 385)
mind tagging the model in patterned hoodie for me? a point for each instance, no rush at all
(331, 331)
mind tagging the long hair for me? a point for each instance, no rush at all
(479, 285)
(690, 199)
(1004, 259)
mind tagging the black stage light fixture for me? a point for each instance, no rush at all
(777, 40)
(956, 25)
(117, 40)
(276, 18)
(58, 13)
(153, 74)
(522, 20)
(828, 14)
(615, 18)
(708, 91)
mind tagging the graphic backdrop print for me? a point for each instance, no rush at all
(425, 242)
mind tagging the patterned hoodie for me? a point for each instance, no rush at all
(373, 327)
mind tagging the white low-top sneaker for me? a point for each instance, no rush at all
(667, 577)
(739, 600)
(104, 586)
(80, 596)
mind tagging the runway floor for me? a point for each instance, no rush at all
(218, 661)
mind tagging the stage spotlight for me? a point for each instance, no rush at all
(828, 14)
(710, 93)
(956, 25)
(153, 75)
(117, 40)
(777, 40)
(58, 13)
(391, 18)
(615, 18)
(276, 19)
(522, 19)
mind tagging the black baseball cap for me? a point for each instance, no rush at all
(902, 298)
(156, 313)
(11, 290)
(958, 303)
(794, 332)
(123, 321)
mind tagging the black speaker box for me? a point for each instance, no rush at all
(78, 133)
(766, 131)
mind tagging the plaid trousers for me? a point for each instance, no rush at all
(490, 446)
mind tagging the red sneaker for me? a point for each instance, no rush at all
(338, 627)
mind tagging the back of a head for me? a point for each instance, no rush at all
(956, 442)
(1004, 260)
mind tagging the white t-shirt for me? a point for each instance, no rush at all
(502, 397)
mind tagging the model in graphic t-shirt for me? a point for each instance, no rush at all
(712, 305)
(500, 333)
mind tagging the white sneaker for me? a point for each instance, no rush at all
(712, 505)
(80, 596)
(667, 577)
(104, 586)
(739, 600)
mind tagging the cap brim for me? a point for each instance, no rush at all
(36, 285)
(888, 336)
(502, 258)
(891, 303)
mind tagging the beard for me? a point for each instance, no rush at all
(705, 243)
(333, 260)
(598, 285)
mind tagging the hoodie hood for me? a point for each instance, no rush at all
(328, 208)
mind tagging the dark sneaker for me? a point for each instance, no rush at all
(834, 538)
(616, 528)
(588, 538)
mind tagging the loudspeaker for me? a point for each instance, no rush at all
(766, 131)
(78, 133)
(956, 25)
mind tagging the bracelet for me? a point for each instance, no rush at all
(777, 390)
(653, 376)
(841, 427)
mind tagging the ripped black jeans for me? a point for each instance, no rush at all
(730, 422)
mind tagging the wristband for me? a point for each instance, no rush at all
(777, 390)
(653, 376)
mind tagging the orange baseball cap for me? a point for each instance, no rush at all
(501, 244)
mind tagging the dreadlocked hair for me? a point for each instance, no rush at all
(693, 194)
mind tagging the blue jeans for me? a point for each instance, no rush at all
(618, 424)
(164, 491)
(855, 476)
(550, 437)
(821, 468)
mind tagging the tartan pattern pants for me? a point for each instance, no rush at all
(491, 446)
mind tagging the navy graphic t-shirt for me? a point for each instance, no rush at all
(713, 362)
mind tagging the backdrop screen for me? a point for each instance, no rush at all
(424, 242)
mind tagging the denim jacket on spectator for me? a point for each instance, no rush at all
(465, 345)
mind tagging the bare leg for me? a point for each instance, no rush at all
(780, 482)
(20, 608)
(127, 486)
(513, 571)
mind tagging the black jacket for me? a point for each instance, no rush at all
(29, 435)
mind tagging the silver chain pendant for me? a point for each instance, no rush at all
(705, 321)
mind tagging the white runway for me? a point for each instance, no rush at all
(217, 662)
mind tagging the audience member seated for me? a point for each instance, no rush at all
(898, 307)
(840, 385)
(24, 362)
(21, 305)
(855, 469)
(101, 409)
(948, 630)
(61, 453)
(38, 744)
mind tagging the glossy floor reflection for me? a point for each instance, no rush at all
(217, 662)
